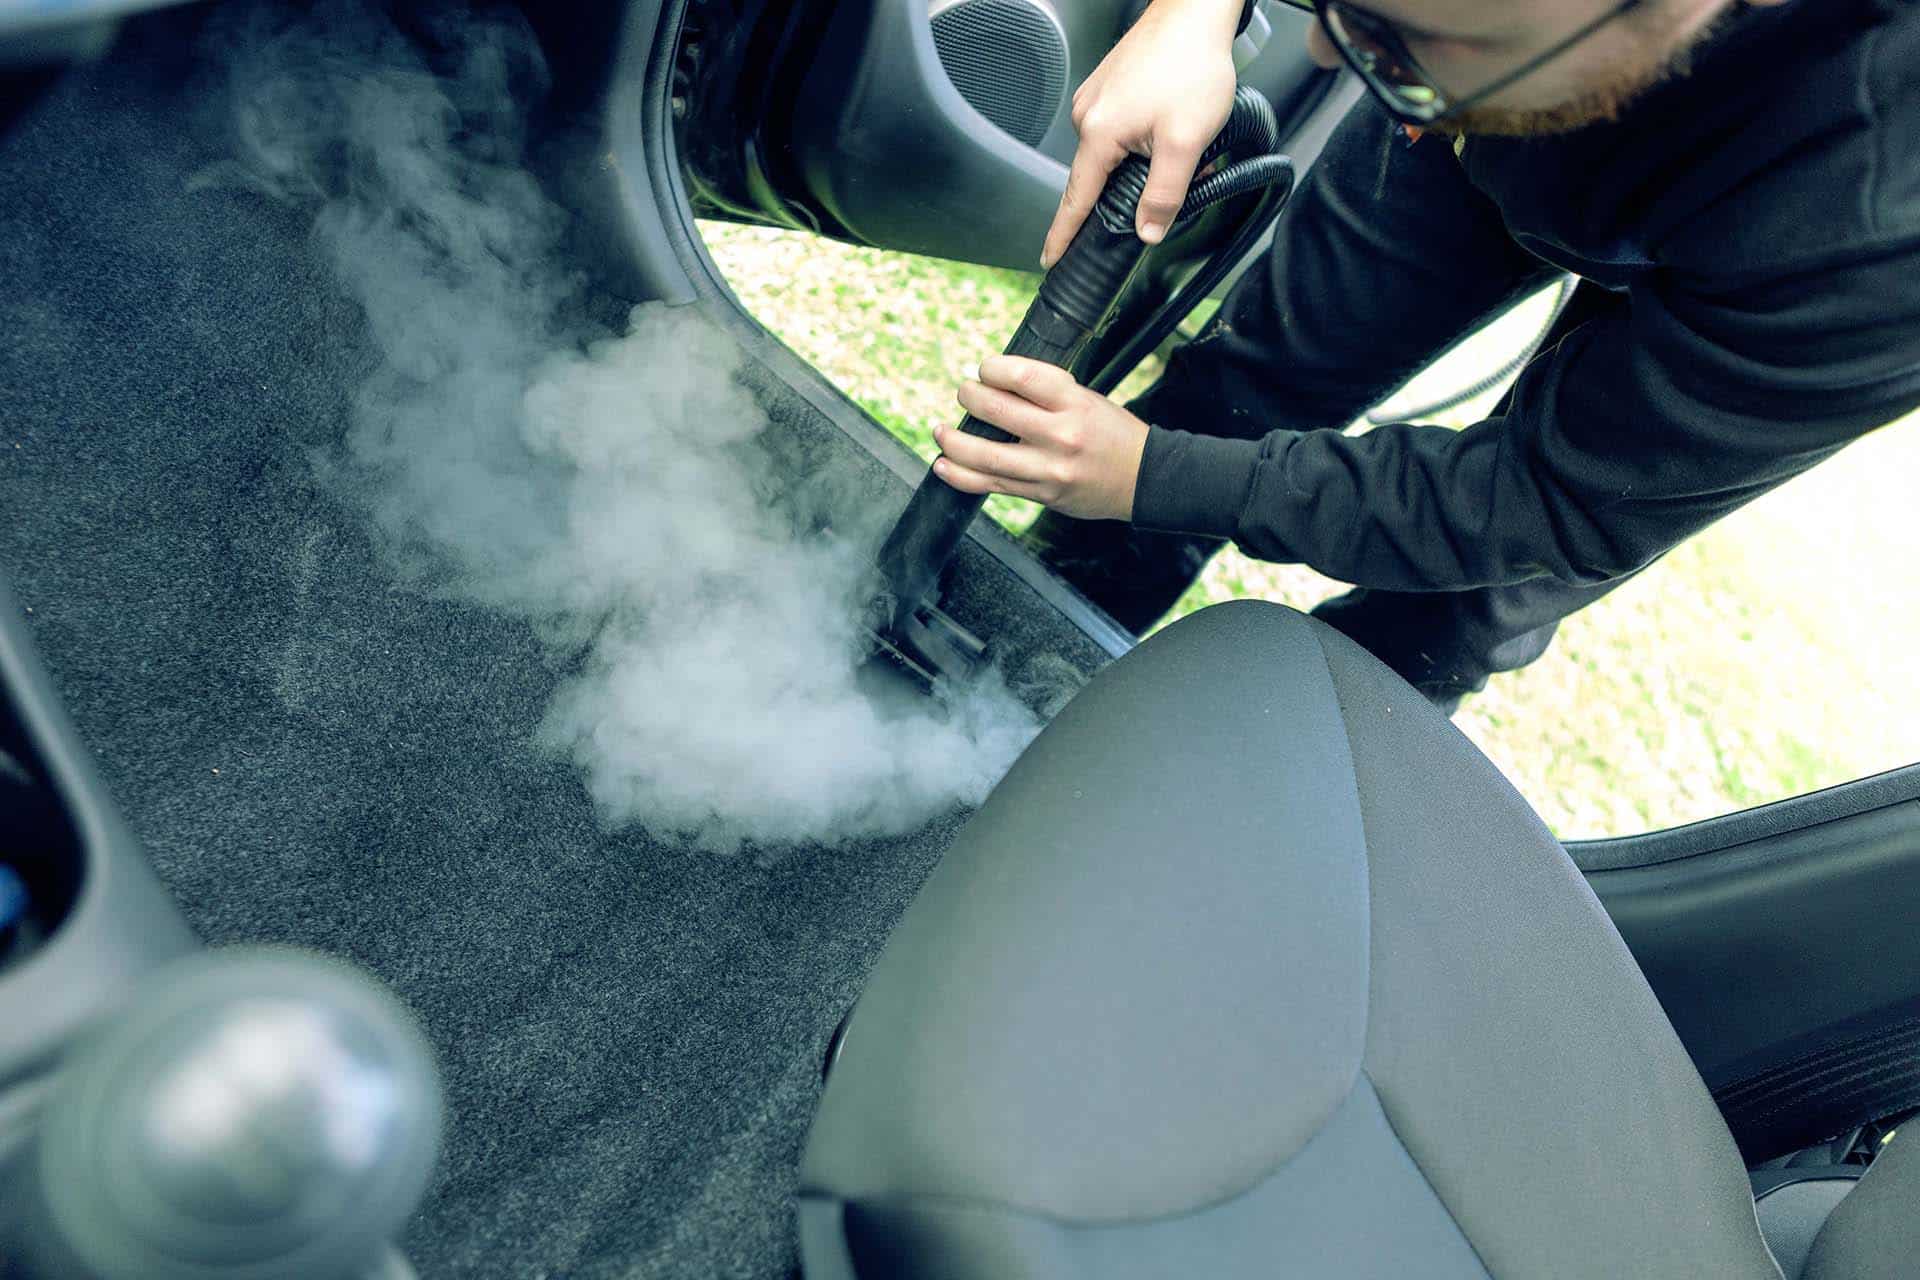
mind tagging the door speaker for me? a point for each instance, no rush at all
(1008, 59)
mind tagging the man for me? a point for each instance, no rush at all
(1736, 184)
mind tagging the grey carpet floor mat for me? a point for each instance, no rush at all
(630, 1030)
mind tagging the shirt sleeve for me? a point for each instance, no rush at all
(1385, 254)
(1641, 427)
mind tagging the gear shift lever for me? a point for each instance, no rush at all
(254, 1114)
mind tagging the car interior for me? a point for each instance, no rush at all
(1251, 965)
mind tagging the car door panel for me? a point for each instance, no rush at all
(892, 153)
(1781, 943)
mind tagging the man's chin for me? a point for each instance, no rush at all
(1602, 104)
(1597, 106)
(1493, 122)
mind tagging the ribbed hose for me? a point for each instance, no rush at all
(1074, 299)
(1251, 128)
(1159, 326)
(1237, 180)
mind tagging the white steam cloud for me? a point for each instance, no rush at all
(604, 483)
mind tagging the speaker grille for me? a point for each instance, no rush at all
(1008, 58)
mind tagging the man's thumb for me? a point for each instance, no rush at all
(1167, 181)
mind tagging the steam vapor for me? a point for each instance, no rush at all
(605, 482)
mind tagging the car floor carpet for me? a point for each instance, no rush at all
(630, 1030)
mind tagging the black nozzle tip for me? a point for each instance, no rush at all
(931, 649)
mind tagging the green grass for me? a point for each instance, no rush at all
(1776, 653)
(891, 330)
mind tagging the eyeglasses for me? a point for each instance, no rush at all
(1378, 53)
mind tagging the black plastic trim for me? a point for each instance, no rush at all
(1788, 966)
(1859, 1071)
(642, 196)
(1795, 813)
(895, 156)
(888, 146)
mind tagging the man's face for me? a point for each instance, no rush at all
(1467, 44)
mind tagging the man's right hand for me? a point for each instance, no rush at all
(1162, 92)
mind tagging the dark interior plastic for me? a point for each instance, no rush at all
(1788, 965)
(40, 855)
(888, 147)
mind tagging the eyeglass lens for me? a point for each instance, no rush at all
(1380, 54)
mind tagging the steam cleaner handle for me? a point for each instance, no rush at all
(1073, 299)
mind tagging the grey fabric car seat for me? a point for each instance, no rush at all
(1254, 966)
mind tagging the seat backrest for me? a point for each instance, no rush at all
(1874, 1232)
(1254, 966)
(1792, 1213)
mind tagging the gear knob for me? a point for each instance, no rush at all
(256, 1113)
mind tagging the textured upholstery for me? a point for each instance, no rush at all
(1254, 966)
(1791, 1217)
(1874, 1234)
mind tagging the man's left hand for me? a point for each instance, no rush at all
(1077, 451)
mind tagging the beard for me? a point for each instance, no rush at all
(1606, 100)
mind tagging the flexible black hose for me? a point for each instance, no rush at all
(1073, 300)
(1251, 128)
(1167, 317)
(937, 516)
(1237, 180)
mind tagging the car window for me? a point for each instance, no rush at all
(1774, 654)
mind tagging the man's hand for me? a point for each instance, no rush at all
(1163, 92)
(1078, 452)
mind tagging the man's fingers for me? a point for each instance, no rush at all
(991, 457)
(967, 480)
(1035, 381)
(1085, 180)
(1174, 160)
(1003, 409)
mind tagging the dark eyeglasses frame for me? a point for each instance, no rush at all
(1388, 34)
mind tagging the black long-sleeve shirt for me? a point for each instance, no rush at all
(1757, 223)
